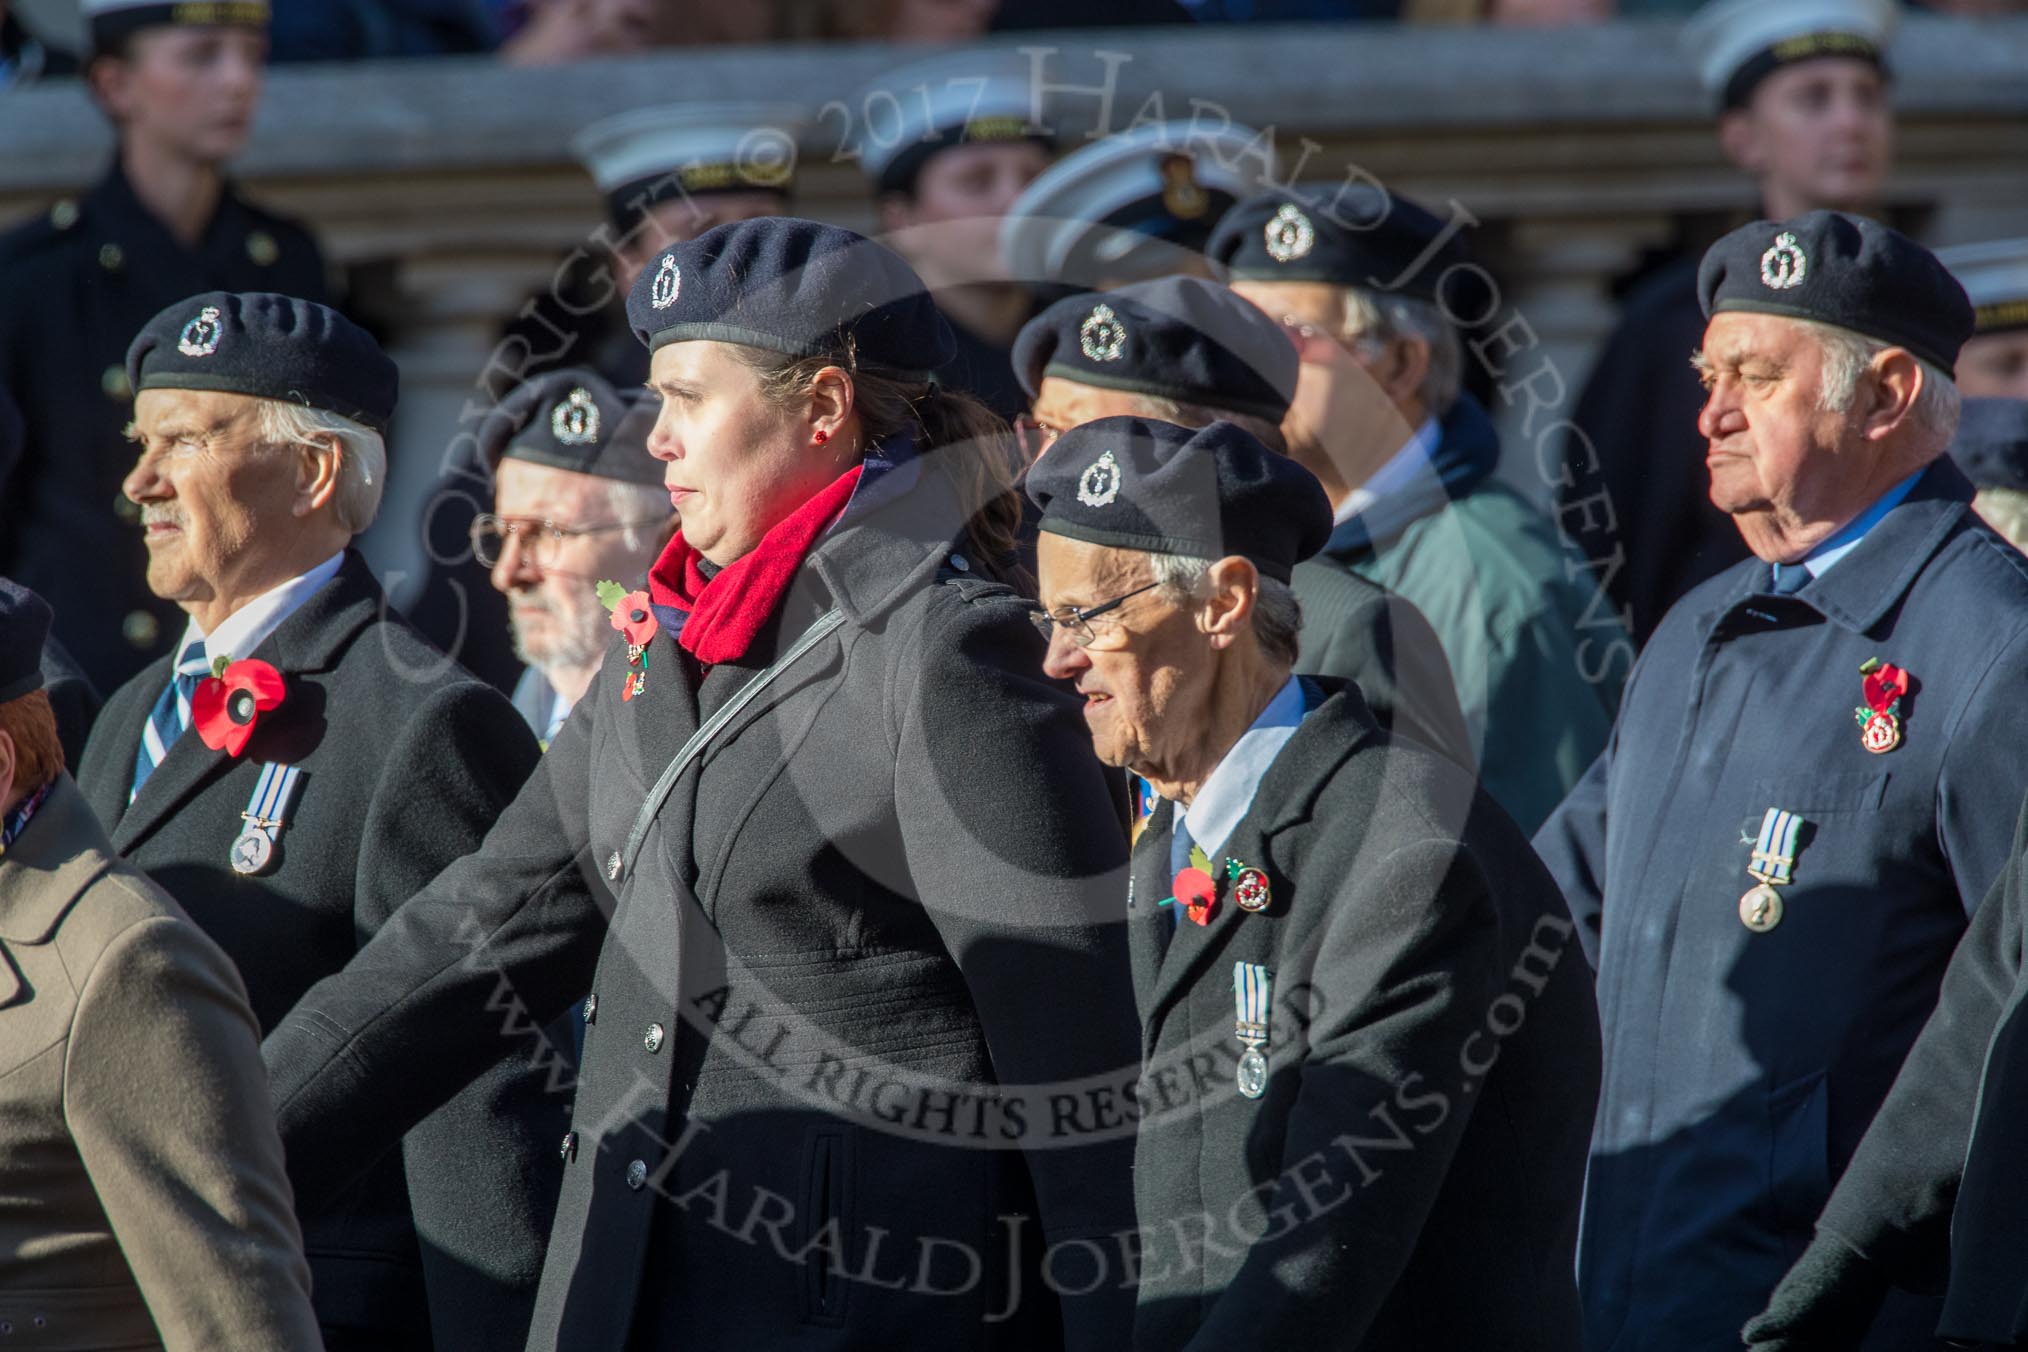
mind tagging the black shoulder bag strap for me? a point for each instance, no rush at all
(686, 755)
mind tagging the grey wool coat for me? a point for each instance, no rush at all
(143, 1202)
(406, 760)
(856, 960)
(1410, 1177)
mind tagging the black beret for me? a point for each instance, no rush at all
(1992, 443)
(24, 628)
(1178, 338)
(791, 286)
(1136, 483)
(269, 346)
(572, 419)
(1845, 271)
(1346, 235)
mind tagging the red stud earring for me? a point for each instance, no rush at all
(820, 436)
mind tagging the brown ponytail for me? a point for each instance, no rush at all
(973, 443)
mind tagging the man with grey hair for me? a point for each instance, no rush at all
(1365, 285)
(303, 762)
(577, 501)
(1188, 351)
(1813, 782)
(1370, 1047)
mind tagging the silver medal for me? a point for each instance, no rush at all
(1253, 1073)
(252, 852)
(1252, 985)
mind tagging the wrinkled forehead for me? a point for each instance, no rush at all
(565, 497)
(172, 412)
(1079, 573)
(1735, 336)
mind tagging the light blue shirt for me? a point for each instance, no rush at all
(1820, 560)
(1400, 470)
(1228, 791)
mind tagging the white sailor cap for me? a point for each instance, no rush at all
(112, 22)
(1735, 44)
(649, 155)
(1132, 206)
(966, 98)
(1995, 276)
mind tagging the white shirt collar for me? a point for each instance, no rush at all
(1228, 791)
(239, 633)
(1411, 460)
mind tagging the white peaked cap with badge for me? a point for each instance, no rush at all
(1723, 37)
(962, 98)
(1163, 183)
(755, 141)
(1995, 277)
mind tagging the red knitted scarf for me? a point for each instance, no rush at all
(728, 610)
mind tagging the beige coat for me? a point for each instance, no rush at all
(143, 1202)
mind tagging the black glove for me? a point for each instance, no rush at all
(1825, 1303)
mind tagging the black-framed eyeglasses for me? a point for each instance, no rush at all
(541, 541)
(1076, 620)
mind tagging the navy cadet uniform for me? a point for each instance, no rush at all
(1995, 277)
(71, 693)
(1187, 342)
(970, 98)
(671, 159)
(890, 874)
(76, 284)
(573, 420)
(1369, 1064)
(383, 762)
(1932, 1199)
(1636, 418)
(1136, 205)
(1810, 787)
(1536, 650)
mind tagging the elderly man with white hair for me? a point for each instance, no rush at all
(303, 762)
(1812, 784)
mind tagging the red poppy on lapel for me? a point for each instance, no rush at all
(224, 708)
(632, 617)
(1196, 893)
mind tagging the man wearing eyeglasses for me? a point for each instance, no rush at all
(1370, 287)
(577, 501)
(1370, 1048)
(1192, 353)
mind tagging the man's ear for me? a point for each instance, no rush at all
(317, 474)
(1896, 385)
(1407, 367)
(9, 760)
(1232, 586)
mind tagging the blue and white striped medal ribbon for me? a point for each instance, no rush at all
(265, 814)
(1252, 988)
(1772, 865)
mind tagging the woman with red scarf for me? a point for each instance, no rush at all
(860, 1048)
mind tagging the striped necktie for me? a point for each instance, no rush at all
(170, 716)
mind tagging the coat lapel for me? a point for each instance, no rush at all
(310, 640)
(56, 858)
(1316, 751)
(121, 721)
(1147, 922)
